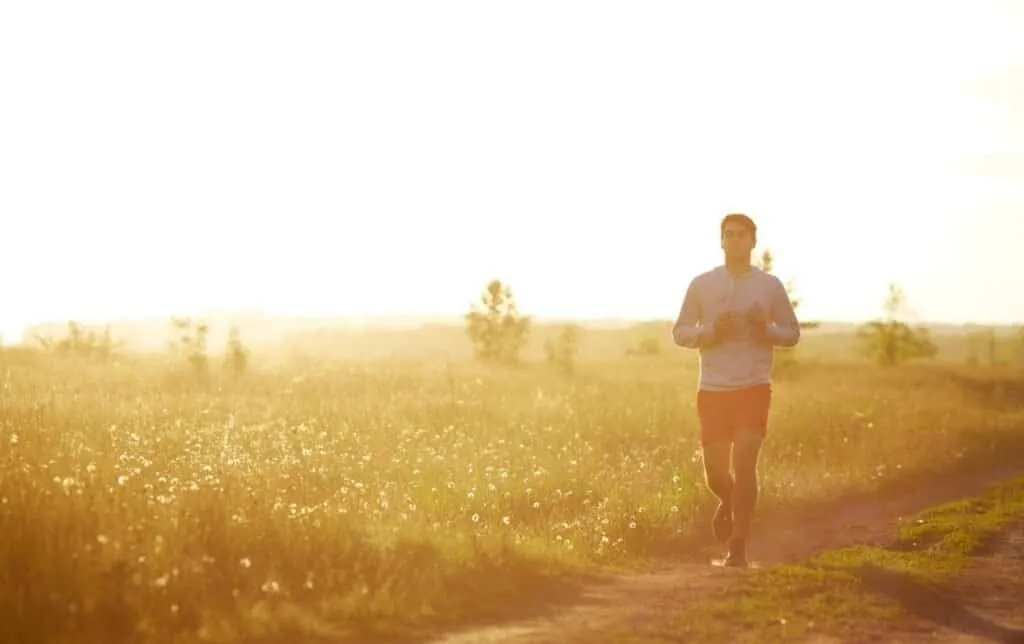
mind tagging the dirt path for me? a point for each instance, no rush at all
(991, 594)
(786, 537)
(983, 604)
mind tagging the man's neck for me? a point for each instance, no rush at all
(738, 267)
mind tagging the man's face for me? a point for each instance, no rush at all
(737, 242)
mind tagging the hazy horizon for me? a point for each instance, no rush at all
(448, 318)
(347, 161)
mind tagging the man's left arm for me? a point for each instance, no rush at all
(784, 330)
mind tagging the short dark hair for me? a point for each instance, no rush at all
(740, 218)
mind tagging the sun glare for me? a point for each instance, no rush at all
(367, 167)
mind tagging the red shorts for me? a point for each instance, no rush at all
(721, 413)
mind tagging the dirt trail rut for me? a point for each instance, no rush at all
(629, 599)
(985, 603)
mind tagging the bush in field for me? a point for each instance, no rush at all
(1018, 343)
(237, 355)
(191, 342)
(645, 339)
(81, 342)
(498, 330)
(891, 340)
(766, 262)
(983, 343)
(561, 352)
(647, 345)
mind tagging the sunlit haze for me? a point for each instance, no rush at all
(383, 158)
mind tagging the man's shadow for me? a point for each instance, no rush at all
(934, 604)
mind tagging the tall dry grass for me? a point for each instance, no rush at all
(334, 499)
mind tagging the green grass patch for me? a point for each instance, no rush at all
(846, 590)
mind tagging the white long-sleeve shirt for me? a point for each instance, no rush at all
(743, 361)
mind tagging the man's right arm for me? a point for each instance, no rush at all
(689, 330)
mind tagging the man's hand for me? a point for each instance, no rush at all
(757, 319)
(726, 327)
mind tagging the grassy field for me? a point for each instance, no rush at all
(324, 498)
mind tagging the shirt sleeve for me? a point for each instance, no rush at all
(785, 328)
(689, 330)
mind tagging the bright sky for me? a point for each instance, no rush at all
(386, 157)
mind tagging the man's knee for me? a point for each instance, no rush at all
(718, 478)
(748, 441)
(746, 452)
(716, 464)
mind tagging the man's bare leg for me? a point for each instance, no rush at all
(717, 476)
(746, 452)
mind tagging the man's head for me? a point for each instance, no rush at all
(739, 236)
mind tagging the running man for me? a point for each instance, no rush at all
(735, 315)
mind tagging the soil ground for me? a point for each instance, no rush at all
(983, 604)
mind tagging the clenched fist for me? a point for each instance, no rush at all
(727, 326)
(757, 320)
